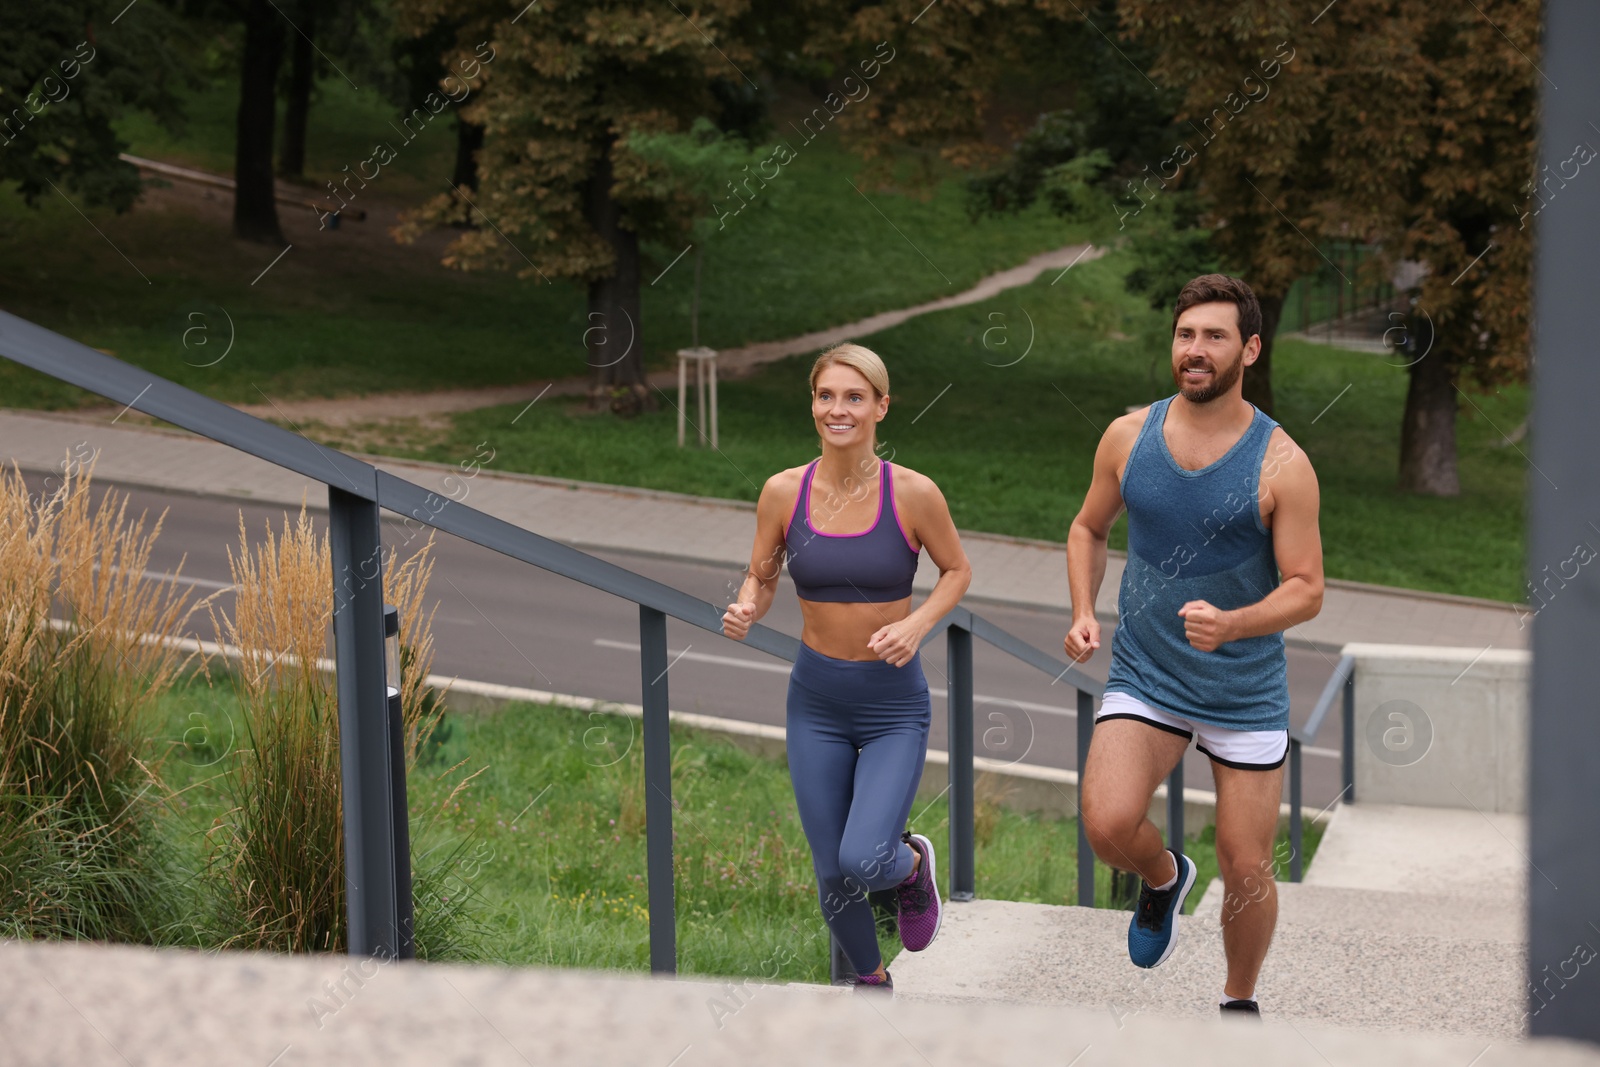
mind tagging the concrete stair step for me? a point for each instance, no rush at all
(1386, 980)
(1444, 916)
(1404, 848)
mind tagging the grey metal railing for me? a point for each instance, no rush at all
(1341, 683)
(377, 861)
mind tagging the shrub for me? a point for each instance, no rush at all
(78, 853)
(279, 853)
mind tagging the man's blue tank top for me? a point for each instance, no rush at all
(1197, 535)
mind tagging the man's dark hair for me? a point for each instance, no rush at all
(1220, 288)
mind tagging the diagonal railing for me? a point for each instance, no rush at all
(377, 860)
(1341, 683)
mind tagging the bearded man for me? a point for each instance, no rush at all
(1223, 556)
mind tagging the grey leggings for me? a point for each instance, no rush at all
(857, 738)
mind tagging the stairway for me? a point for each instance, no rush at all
(1410, 919)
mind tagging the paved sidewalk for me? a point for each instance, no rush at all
(1006, 570)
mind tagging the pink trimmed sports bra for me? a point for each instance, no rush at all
(870, 567)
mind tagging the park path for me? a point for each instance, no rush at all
(352, 411)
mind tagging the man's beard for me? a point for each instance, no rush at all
(1221, 380)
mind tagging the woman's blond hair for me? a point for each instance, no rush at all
(858, 358)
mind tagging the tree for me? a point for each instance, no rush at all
(1402, 123)
(1253, 142)
(65, 76)
(314, 29)
(255, 208)
(1436, 159)
(297, 95)
(271, 28)
(561, 90)
(933, 78)
(421, 57)
(697, 165)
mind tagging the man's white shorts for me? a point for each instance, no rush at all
(1245, 750)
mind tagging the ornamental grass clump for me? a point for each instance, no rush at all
(279, 852)
(86, 646)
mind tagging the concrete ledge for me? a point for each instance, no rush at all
(1441, 727)
(91, 1005)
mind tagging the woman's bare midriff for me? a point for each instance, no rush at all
(843, 630)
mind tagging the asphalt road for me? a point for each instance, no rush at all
(502, 621)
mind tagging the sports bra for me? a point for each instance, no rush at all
(871, 567)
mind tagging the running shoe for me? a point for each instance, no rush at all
(1243, 1009)
(1153, 932)
(873, 985)
(920, 912)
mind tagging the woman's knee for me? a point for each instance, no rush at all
(873, 865)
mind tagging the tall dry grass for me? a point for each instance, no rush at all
(280, 853)
(78, 852)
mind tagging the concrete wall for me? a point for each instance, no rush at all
(1442, 727)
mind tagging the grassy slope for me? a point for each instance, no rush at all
(554, 844)
(349, 312)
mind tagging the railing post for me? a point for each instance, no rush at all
(1295, 863)
(840, 969)
(963, 863)
(395, 713)
(1175, 808)
(374, 869)
(1085, 854)
(657, 791)
(1347, 755)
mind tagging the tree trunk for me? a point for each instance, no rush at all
(1428, 430)
(469, 138)
(255, 214)
(1258, 376)
(694, 301)
(615, 354)
(292, 154)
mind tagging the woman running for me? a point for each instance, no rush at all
(851, 527)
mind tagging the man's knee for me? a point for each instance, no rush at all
(1111, 828)
(1247, 871)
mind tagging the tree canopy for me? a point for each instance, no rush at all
(67, 71)
(560, 194)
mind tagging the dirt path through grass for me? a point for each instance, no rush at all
(351, 411)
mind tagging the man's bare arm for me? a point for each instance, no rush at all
(1297, 545)
(1086, 538)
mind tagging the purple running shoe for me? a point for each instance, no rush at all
(871, 983)
(920, 910)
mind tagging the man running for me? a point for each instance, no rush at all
(1223, 556)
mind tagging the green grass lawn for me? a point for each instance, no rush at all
(548, 841)
(349, 312)
(1012, 445)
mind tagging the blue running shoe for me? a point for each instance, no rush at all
(1153, 933)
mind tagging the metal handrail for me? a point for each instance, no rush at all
(1342, 681)
(377, 861)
